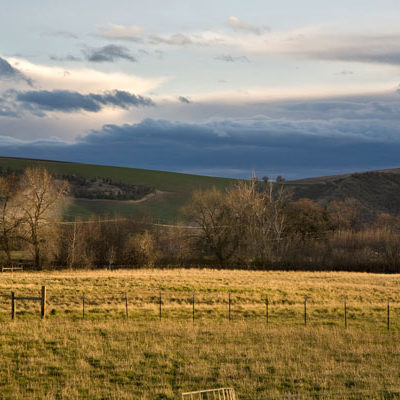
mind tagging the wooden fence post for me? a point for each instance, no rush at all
(160, 307)
(388, 314)
(193, 308)
(126, 305)
(43, 303)
(12, 305)
(229, 306)
(266, 310)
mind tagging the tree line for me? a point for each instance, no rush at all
(251, 225)
(99, 188)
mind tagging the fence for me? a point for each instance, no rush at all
(12, 268)
(42, 300)
(211, 394)
(156, 306)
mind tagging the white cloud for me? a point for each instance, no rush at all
(120, 32)
(324, 43)
(84, 80)
(261, 95)
(313, 42)
(238, 25)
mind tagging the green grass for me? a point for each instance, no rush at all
(178, 188)
(367, 295)
(64, 359)
(109, 356)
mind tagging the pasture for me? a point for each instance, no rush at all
(176, 188)
(109, 356)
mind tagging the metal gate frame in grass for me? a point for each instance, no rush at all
(211, 394)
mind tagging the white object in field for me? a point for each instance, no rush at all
(211, 394)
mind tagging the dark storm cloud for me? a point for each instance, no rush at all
(109, 53)
(8, 72)
(291, 138)
(293, 148)
(67, 101)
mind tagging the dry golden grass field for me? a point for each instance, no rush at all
(109, 356)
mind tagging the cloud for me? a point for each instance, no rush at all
(10, 73)
(345, 72)
(177, 39)
(120, 32)
(238, 25)
(315, 42)
(295, 144)
(366, 48)
(108, 53)
(184, 100)
(63, 34)
(84, 80)
(325, 43)
(292, 138)
(68, 57)
(67, 101)
(201, 39)
(231, 59)
(136, 34)
(6, 110)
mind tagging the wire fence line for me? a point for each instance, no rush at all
(167, 224)
(219, 305)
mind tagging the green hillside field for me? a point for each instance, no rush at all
(173, 189)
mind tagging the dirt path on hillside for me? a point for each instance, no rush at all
(153, 195)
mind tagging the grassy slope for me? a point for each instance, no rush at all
(376, 191)
(165, 207)
(108, 357)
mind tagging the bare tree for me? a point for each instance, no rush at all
(140, 250)
(344, 214)
(79, 240)
(258, 218)
(307, 220)
(176, 243)
(240, 225)
(208, 209)
(10, 215)
(40, 200)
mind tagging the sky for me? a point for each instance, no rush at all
(220, 88)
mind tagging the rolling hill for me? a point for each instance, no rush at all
(171, 190)
(376, 191)
(165, 193)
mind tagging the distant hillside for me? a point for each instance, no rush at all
(105, 190)
(158, 194)
(376, 191)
